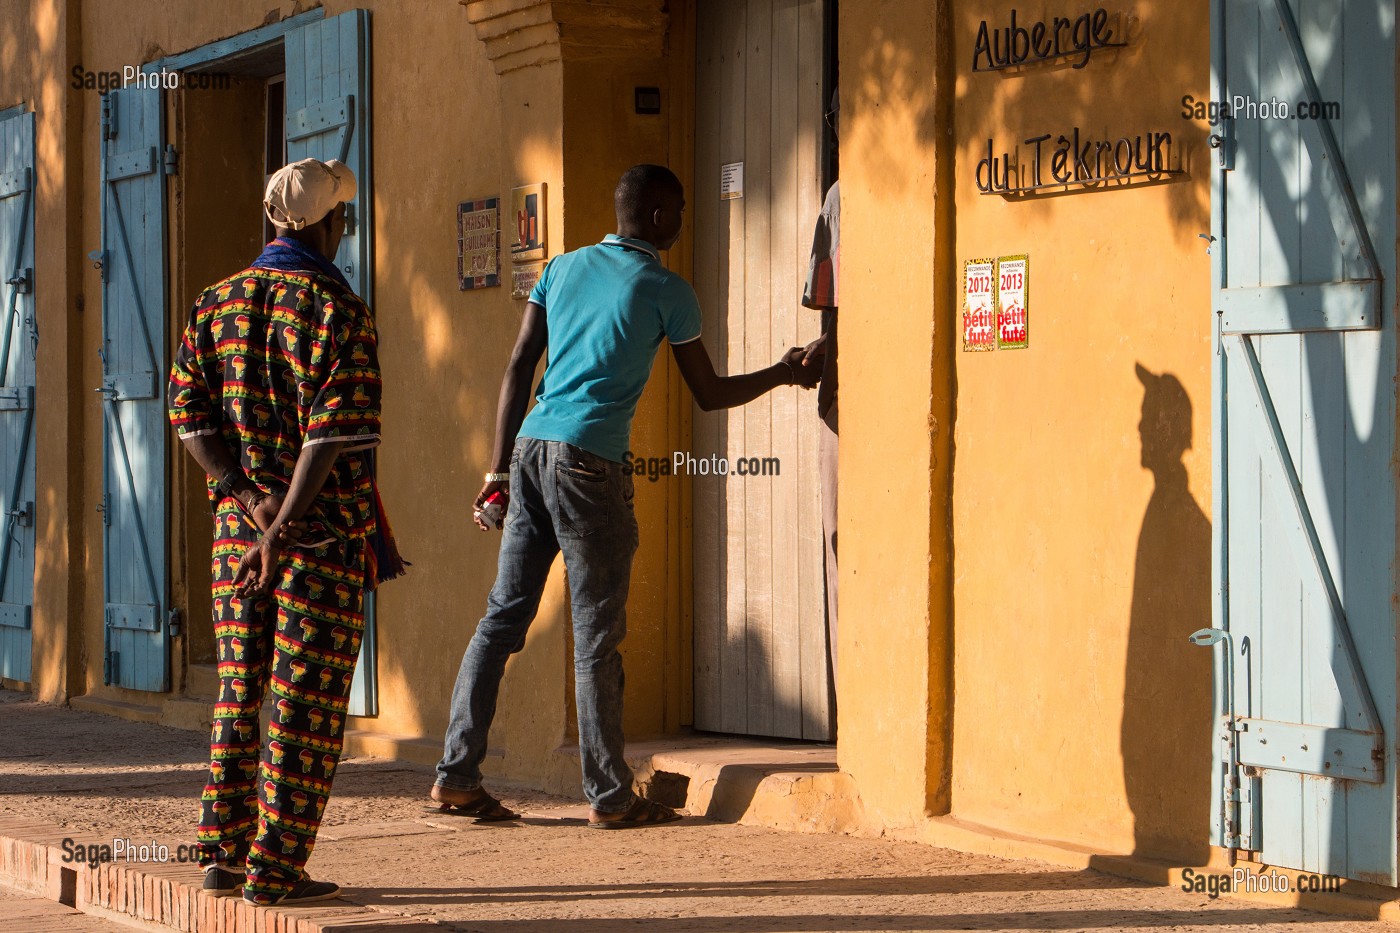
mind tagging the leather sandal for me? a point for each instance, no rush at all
(643, 812)
(484, 808)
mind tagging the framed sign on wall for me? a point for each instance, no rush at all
(531, 242)
(479, 243)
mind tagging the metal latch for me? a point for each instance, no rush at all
(23, 516)
(172, 160)
(23, 281)
(1224, 144)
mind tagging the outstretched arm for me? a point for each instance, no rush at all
(818, 350)
(713, 391)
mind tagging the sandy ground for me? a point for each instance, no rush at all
(551, 874)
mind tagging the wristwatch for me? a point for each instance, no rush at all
(225, 484)
(498, 477)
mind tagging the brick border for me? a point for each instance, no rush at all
(165, 895)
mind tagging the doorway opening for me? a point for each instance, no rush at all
(765, 70)
(230, 137)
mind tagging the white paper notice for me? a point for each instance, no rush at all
(731, 181)
(1013, 316)
(980, 293)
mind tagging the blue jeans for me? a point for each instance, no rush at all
(561, 499)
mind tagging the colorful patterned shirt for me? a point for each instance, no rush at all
(276, 362)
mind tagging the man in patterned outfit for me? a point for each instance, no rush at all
(275, 392)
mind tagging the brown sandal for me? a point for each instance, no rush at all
(643, 812)
(485, 808)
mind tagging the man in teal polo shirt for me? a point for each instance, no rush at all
(602, 312)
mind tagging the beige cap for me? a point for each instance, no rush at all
(301, 193)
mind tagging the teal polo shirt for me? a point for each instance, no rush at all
(608, 309)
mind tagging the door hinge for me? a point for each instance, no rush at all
(172, 159)
(109, 118)
(1244, 835)
(172, 622)
(109, 667)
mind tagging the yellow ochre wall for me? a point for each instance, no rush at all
(1079, 557)
(446, 128)
(1082, 494)
(896, 411)
(37, 40)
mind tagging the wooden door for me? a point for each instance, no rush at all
(761, 663)
(1305, 502)
(19, 339)
(134, 366)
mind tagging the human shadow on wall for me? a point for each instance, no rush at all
(1167, 689)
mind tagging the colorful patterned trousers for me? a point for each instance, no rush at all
(265, 796)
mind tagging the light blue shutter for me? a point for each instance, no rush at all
(18, 343)
(328, 71)
(328, 111)
(133, 407)
(1304, 410)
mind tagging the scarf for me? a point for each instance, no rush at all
(382, 559)
(287, 255)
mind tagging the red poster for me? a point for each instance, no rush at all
(1013, 316)
(979, 304)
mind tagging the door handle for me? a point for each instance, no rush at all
(1223, 143)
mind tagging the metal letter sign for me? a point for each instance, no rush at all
(1305, 498)
(133, 403)
(18, 345)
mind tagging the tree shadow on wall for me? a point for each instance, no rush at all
(1167, 702)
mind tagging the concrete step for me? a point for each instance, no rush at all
(194, 713)
(202, 680)
(420, 751)
(134, 712)
(188, 713)
(790, 786)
